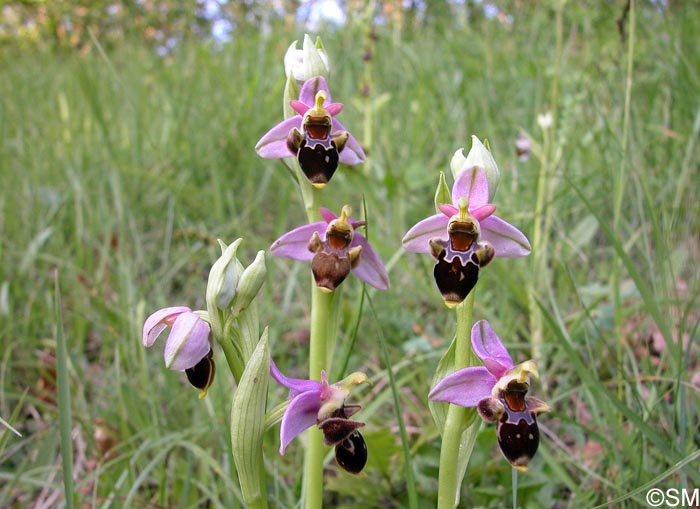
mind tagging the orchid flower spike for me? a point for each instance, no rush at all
(313, 402)
(334, 248)
(498, 389)
(313, 136)
(465, 236)
(187, 347)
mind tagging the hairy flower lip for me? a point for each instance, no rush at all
(273, 144)
(294, 245)
(472, 184)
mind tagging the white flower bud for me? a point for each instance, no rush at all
(249, 283)
(479, 156)
(303, 64)
(223, 277)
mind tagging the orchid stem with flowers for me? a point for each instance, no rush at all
(317, 143)
(463, 237)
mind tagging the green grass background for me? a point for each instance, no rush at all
(120, 168)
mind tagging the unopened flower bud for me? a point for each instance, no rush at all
(249, 284)
(223, 277)
(478, 156)
(303, 64)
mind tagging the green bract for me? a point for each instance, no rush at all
(248, 424)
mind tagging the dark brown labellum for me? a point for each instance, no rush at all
(201, 375)
(318, 160)
(456, 274)
(337, 429)
(351, 453)
(517, 431)
(330, 269)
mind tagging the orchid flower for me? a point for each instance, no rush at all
(498, 390)
(334, 248)
(314, 135)
(465, 236)
(313, 402)
(187, 347)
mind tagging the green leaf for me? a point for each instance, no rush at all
(248, 424)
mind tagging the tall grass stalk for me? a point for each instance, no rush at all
(546, 185)
(64, 400)
(618, 199)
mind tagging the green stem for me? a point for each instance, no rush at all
(450, 475)
(321, 318)
(310, 195)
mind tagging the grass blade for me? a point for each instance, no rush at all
(64, 408)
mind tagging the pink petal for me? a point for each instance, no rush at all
(307, 94)
(448, 210)
(370, 269)
(295, 385)
(506, 239)
(334, 108)
(488, 347)
(300, 414)
(159, 321)
(465, 387)
(473, 185)
(294, 244)
(299, 107)
(273, 144)
(327, 214)
(352, 154)
(417, 238)
(483, 212)
(187, 343)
